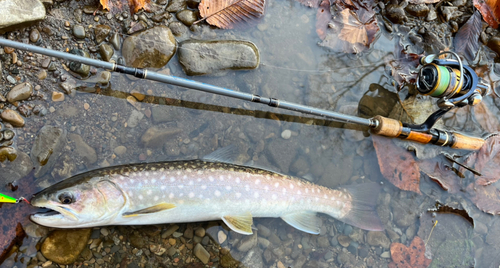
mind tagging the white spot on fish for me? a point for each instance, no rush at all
(130, 193)
(163, 187)
(228, 187)
(149, 192)
(211, 178)
(191, 195)
(153, 180)
(238, 195)
(291, 186)
(325, 196)
(221, 178)
(284, 190)
(180, 186)
(146, 173)
(307, 190)
(185, 177)
(198, 180)
(317, 199)
(256, 195)
(203, 187)
(178, 172)
(217, 193)
(163, 177)
(257, 181)
(171, 195)
(276, 184)
(266, 188)
(156, 198)
(191, 182)
(189, 170)
(338, 203)
(247, 188)
(181, 195)
(299, 192)
(141, 197)
(172, 179)
(200, 172)
(274, 197)
(237, 179)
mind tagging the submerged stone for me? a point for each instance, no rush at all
(20, 92)
(20, 13)
(205, 57)
(155, 137)
(63, 246)
(152, 48)
(12, 117)
(47, 148)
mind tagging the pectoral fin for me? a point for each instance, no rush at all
(148, 210)
(306, 221)
(239, 223)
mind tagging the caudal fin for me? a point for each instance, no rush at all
(363, 213)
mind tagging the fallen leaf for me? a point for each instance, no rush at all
(404, 66)
(490, 9)
(486, 118)
(353, 28)
(397, 164)
(226, 14)
(412, 256)
(440, 208)
(116, 6)
(466, 39)
(486, 161)
(442, 174)
(486, 198)
(323, 16)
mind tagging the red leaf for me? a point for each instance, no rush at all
(323, 16)
(116, 6)
(466, 39)
(490, 9)
(397, 164)
(409, 257)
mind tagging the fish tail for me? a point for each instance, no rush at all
(363, 213)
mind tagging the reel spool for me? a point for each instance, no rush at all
(450, 81)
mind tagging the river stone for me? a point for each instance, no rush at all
(101, 32)
(282, 153)
(79, 31)
(206, 57)
(155, 137)
(20, 13)
(202, 254)
(152, 48)
(86, 152)
(16, 169)
(254, 258)
(77, 67)
(106, 52)
(420, 10)
(12, 117)
(175, 6)
(63, 246)
(378, 239)
(186, 16)
(8, 153)
(47, 148)
(20, 92)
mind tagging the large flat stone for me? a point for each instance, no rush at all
(206, 57)
(19, 13)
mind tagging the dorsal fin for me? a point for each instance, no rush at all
(239, 223)
(148, 210)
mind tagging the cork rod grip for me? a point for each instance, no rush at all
(387, 127)
(466, 142)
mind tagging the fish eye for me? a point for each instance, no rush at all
(66, 198)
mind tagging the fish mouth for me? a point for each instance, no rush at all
(54, 216)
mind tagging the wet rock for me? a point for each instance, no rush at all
(378, 239)
(20, 92)
(19, 13)
(282, 153)
(248, 243)
(193, 4)
(115, 40)
(106, 52)
(494, 44)
(254, 259)
(120, 150)
(86, 152)
(2, 98)
(176, 5)
(34, 36)
(164, 113)
(137, 240)
(200, 232)
(450, 13)
(432, 15)
(206, 57)
(79, 31)
(263, 230)
(344, 240)
(18, 168)
(12, 117)
(57, 96)
(80, 68)
(178, 29)
(101, 32)
(417, 10)
(47, 148)
(227, 261)
(396, 12)
(454, 253)
(137, 27)
(8, 153)
(152, 48)
(63, 246)
(323, 242)
(134, 118)
(42, 75)
(154, 137)
(186, 16)
(202, 254)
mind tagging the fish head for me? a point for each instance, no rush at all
(85, 204)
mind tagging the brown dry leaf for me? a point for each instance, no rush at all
(323, 16)
(490, 9)
(412, 256)
(404, 66)
(226, 14)
(397, 164)
(442, 174)
(486, 118)
(354, 31)
(486, 161)
(466, 39)
(116, 6)
(486, 198)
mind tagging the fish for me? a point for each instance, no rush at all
(199, 190)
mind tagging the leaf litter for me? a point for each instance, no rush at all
(227, 14)
(490, 9)
(117, 6)
(412, 256)
(466, 39)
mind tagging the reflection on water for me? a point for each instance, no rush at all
(328, 153)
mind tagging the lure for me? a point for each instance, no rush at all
(7, 199)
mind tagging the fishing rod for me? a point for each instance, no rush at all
(438, 78)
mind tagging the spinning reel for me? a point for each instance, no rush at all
(455, 84)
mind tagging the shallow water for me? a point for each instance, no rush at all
(293, 68)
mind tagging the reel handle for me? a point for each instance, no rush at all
(393, 128)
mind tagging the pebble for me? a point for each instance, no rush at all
(34, 36)
(45, 63)
(170, 230)
(11, 79)
(42, 74)
(120, 150)
(200, 232)
(286, 134)
(12, 117)
(115, 41)
(155, 137)
(101, 32)
(57, 96)
(20, 92)
(79, 31)
(248, 243)
(385, 255)
(63, 246)
(104, 231)
(221, 237)
(344, 240)
(85, 151)
(202, 254)
(106, 52)
(138, 95)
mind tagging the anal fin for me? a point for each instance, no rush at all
(306, 221)
(149, 210)
(239, 223)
